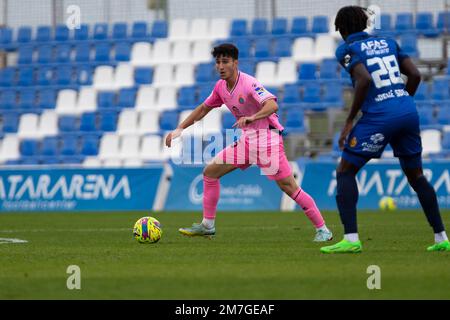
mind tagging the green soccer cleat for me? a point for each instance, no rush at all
(343, 246)
(323, 235)
(198, 229)
(441, 246)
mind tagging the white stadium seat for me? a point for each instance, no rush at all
(66, 102)
(303, 50)
(129, 147)
(181, 52)
(201, 51)
(178, 29)
(325, 46)
(167, 99)
(87, 100)
(124, 76)
(128, 121)
(184, 74)
(48, 123)
(148, 122)
(431, 141)
(163, 75)
(104, 78)
(162, 51)
(199, 29)
(220, 29)
(146, 98)
(266, 73)
(92, 162)
(28, 126)
(109, 146)
(151, 148)
(286, 71)
(10, 148)
(141, 54)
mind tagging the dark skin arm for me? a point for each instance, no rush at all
(362, 85)
(409, 69)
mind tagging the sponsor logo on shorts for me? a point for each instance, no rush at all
(377, 137)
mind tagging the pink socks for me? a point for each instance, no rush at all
(211, 193)
(306, 202)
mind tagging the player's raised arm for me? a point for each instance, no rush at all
(362, 84)
(199, 113)
(409, 69)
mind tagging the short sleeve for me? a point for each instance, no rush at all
(400, 53)
(259, 93)
(214, 100)
(347, 58)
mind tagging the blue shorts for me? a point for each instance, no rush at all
(371, 134)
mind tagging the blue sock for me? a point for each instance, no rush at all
(346, 199)
(428, 200)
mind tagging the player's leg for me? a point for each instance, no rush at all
(307, 203)
(412, 167)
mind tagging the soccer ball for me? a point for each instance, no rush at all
(147, 230)
(387, 204)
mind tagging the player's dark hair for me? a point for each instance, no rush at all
(351, 19)
(226, 50)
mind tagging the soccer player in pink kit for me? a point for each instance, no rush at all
(260, 143)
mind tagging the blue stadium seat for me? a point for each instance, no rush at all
(8, 99)
(443, 22)
(299, 26)
(187, 97)
(43, 34)
(71, 160)
(446, 140)
(259, 27)
(62, 53)
(10, 121)
(247, 67)
(102, 52)
(291, 94)
(44, 76)
(126, 98)
(122, 51)
(295, 121)
(307, 71)
(82, 52)
(49, 146)
(426, 117)
(386, 22)
(100, 31)
(333, 95)
(25, 54)
(29, 147)
(311, 93)
(106, 99)
(168, 120)
(88, 122)
(83, 75)
(204, 92)
(440, 90)
(228, 120)
(24, 34)
(25, 76)
(238, 27)
(204, 73)
(63, 75)
(139, 31)
(328, 70)
(27, 98)
(422, 92)
(68, 124)
(47, 99)
(159, 29)
(320, 24)
(143, 75)
(81, 34)
(443, 116)
(409, 44)
(62, 33)
(279, 26)
(7, 77)
(5, 36)
(404, 22)
(69, 145)
(120, 30)
(45, 54)
(282, 47)
(425, 25)
(89, 145)
(244, 47)
(262, 49)
(108, 121)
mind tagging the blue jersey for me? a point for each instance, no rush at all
(381, 56)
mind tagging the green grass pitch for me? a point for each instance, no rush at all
(258, 255)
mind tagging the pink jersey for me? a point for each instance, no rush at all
(245, 99)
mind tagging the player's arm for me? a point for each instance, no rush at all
(409, 69)
(362, 80)
(198, 114)
(269, 107)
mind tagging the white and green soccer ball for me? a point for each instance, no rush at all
(147, 230)
(387, 204)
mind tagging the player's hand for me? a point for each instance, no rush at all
(344, 133)
(173, 135)
(243, 121)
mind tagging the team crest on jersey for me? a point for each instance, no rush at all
(353, 142)
(241, 100)
(377, 137)
(347, 60)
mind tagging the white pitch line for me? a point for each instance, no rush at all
(12, 240)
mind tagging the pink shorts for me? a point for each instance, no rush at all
(268, 156)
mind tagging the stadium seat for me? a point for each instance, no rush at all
(443, 116)
(307, 71)
(425, 25)
(168, 121)
(181, 51)
(167, 98)
(201, 51)
(62, 53)
(199, 29)
(123, 76)
(10, 148)
(104, 78)
(303, 50)
(295, 121)
(106, 99)
(25, 76)
(184, 74)
(404, 22)
(431, 142)
(82, 52)
(68, 124)
(426, 117)
(300, 27)
(146, 98)
(109, 146)
(333, 95)
(279, 26)
(122, 51)
(247, 67)
(219, 28)
(440, 89)
(311, 93)
(69, 145)
(228, 120)
(179, 29)
(89, 145)
(443, 22)
(43, 34)
(100, 31)
(259, 27)
(282, 47)
(8, 99)
(28, 126)
(47, 99)
(143, 75)
(82, 33)
(325, 47)
(102, 51)
(25, 54)
(48, 124)
(187, 97)
(62, 33)
(238, 27)
(141, 54)
(163, 75)
(328, 70)
(49, 147)
(92, 162)
(88, 122)
(148, 122)
(262, 49)
(63, 75)
(27, 99)
(5, 37)
(7, 77)
(320, 24)
(151, 148)
(126, 98)
(162, 52)
(66, 102)
(24, 34)
(120, 31)
(10, 122)
(128, 122)
(386, 24)
(266, 73)
(87, 100)
(83, 75)
(159, 29)
(204, 92)
(108, 121)
(129, 147)
(139, 31)
(291, 95)
(422, 92)
(409, 44)
(204, 73)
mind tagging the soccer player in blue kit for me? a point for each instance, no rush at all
(389, 115)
